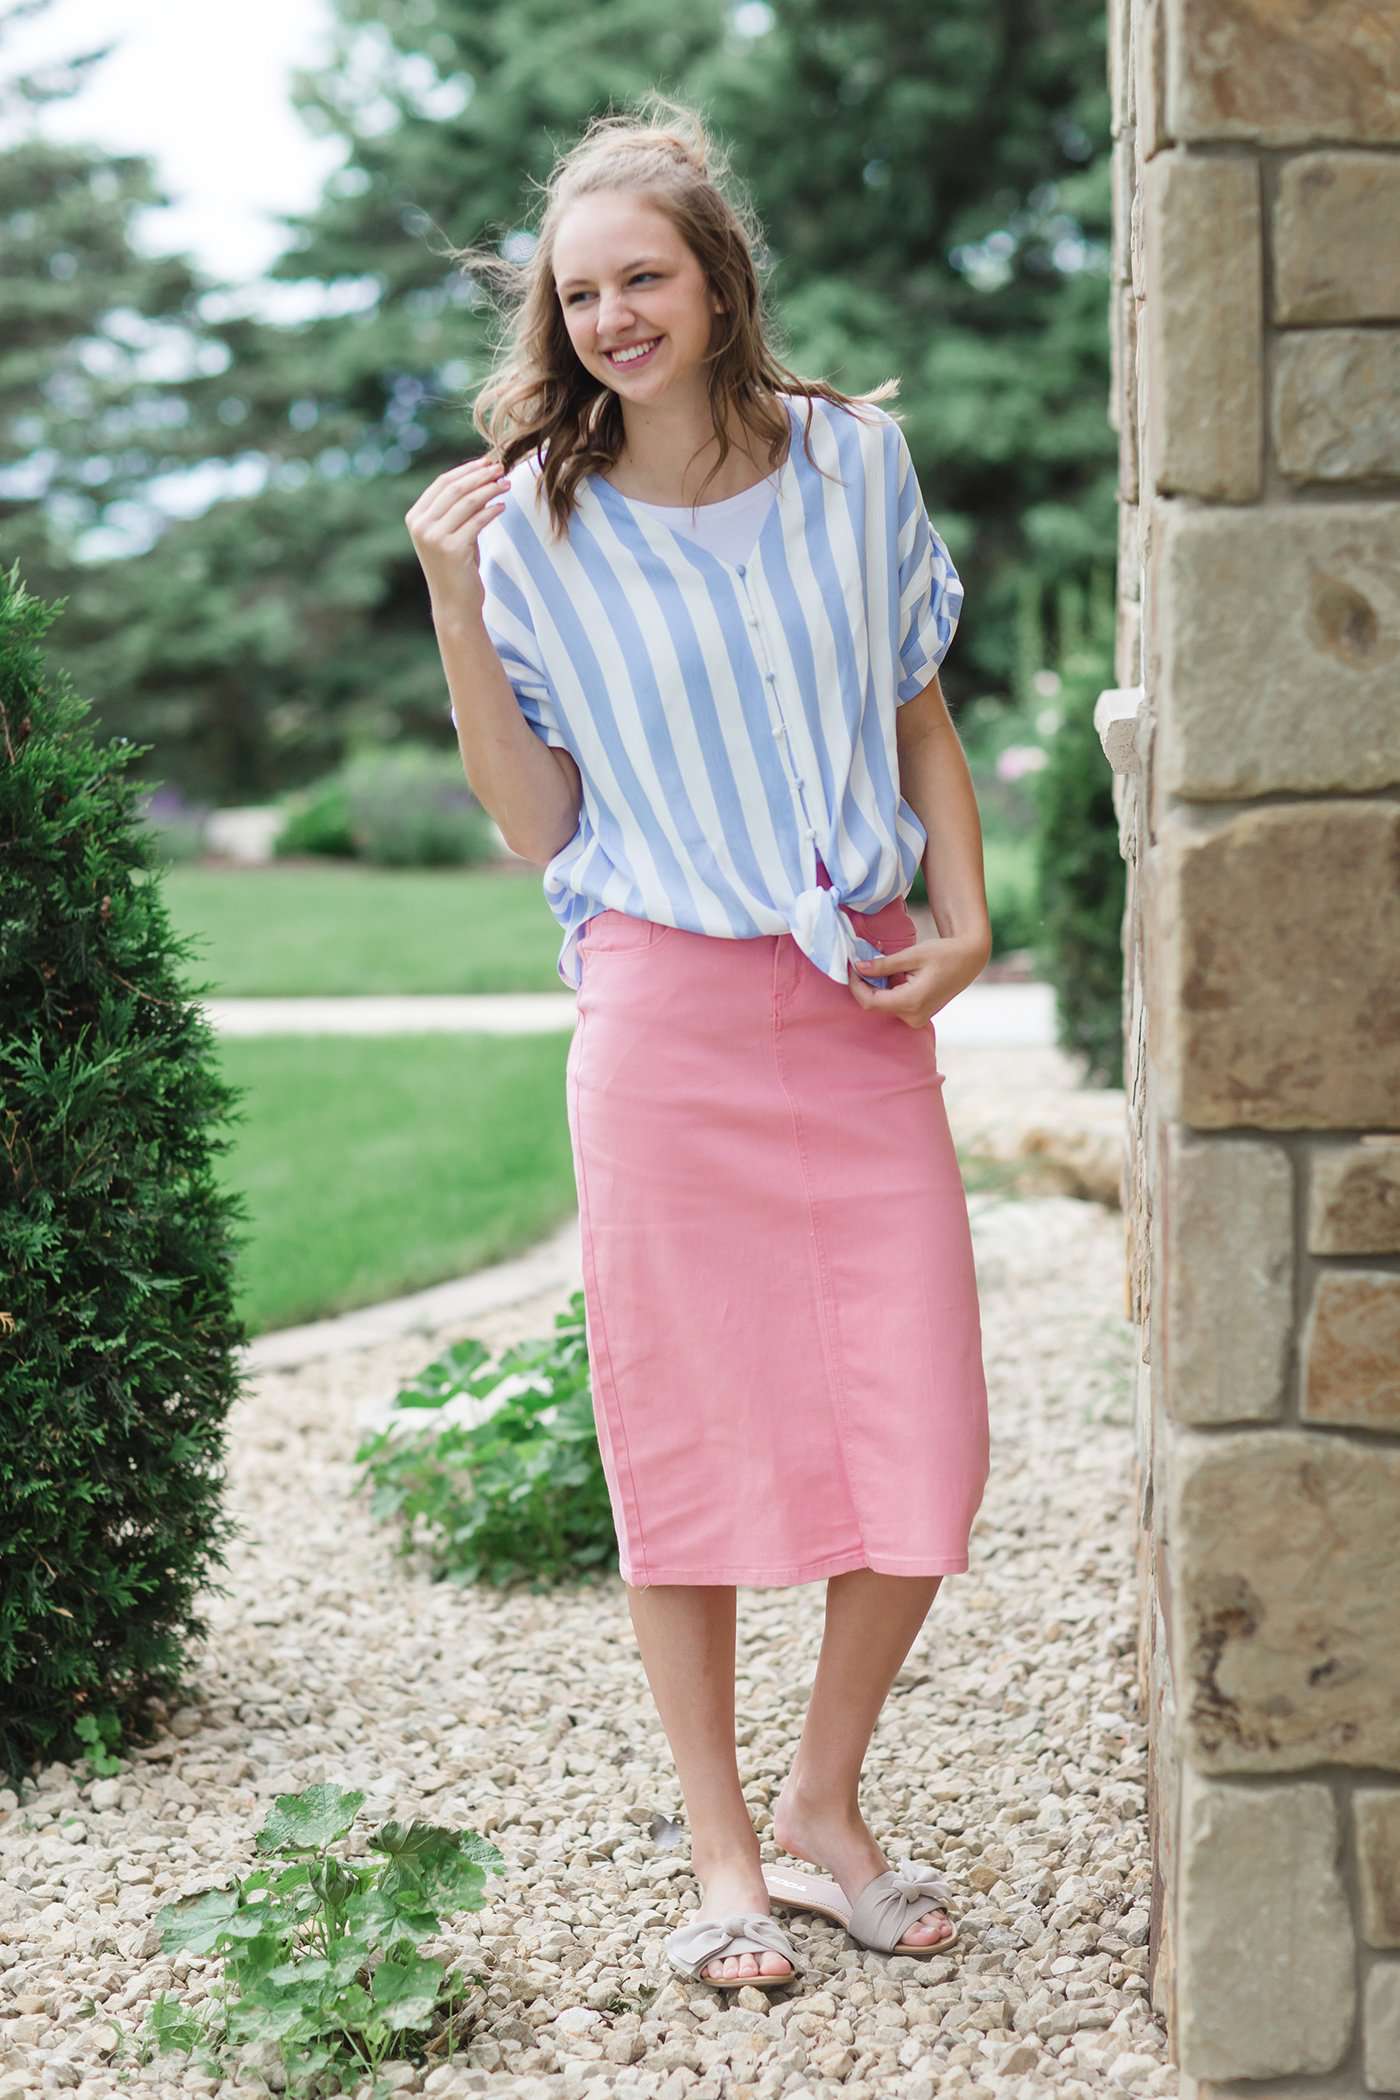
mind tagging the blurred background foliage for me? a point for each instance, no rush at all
(934, 189)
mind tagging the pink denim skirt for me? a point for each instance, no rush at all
(780, 1297)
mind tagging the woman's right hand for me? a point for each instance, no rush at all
(444, 526)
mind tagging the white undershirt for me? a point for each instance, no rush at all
(729, 528)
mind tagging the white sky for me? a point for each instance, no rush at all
(202, 89)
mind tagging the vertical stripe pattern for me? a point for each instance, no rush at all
(731, 721)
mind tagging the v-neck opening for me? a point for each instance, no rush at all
(774, 518)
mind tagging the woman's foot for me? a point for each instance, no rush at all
(838, 1840)
(727, 1888)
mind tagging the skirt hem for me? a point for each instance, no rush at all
(808, 1571)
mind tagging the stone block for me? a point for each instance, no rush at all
(1203, 328)
(1334, 414)
(1354, 1197)
(1275, 648)
(1129, 560)
(1127, 648)
(1381, 2029)
(1120, 55)
(1284, 1601)
(1280, 72)
(1376, 1822)
(1351, 1351)
(1227, 1216)
(1150, 77)
(1124, 175)
(1258, 1996)
(1274, 999)
(1336, 257)
(1125, 337)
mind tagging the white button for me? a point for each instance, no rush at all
(781, 729)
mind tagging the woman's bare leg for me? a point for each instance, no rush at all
(871, 1622)
(686, 1636)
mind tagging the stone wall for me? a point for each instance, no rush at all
(1254, 735)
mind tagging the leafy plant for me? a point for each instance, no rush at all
(320, 1951)
(118, 1335)
(518, 1494)
(101, 1734)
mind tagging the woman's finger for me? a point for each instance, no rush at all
(449, 486)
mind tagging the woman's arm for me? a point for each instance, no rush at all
(935, 781)
(531, 789)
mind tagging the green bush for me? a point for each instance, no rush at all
(405, 807)
(117, 1326)
(519, 1495)
(317, 820)
(1080, 874)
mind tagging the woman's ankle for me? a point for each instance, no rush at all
(712, 1859)
(835, 1801)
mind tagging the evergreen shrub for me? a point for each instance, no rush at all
(117, 1246)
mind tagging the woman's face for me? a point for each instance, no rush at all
(625, 278)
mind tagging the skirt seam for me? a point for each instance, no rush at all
(838, 1392)
(617, 1419)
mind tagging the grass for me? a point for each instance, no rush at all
(377, 1165)
(303, 930)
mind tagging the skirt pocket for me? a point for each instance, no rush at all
(611, 932)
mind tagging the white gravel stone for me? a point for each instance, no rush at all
(1010, 1755)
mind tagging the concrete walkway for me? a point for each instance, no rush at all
(1002, 1016)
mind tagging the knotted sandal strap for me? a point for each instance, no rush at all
(887, 1906)
(745, 1932)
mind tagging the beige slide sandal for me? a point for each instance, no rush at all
(883, 1911)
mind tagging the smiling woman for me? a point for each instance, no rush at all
(712, 585)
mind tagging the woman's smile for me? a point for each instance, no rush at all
(627, 357)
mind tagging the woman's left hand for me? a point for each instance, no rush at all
(934, 971)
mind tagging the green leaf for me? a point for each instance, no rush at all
(405, 1987)
(382, 1914)
(196, 1924)
(254, 1956)
(171, 2026)
(310, 1820)
(446, 1864)
(257, 2020)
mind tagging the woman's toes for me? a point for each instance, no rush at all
(775, 1965)
(930, 1929)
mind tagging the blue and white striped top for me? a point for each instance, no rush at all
(731, 721)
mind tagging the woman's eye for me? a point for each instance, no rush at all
(635, 278)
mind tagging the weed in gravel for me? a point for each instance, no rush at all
(320, 1952)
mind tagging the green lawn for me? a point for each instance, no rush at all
(305, 930)
(375, 1165)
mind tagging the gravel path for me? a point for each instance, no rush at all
(1010, 1754)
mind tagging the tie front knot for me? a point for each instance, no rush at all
(824, 933)
(914, 1880)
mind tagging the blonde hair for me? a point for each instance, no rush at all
(539, 398)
